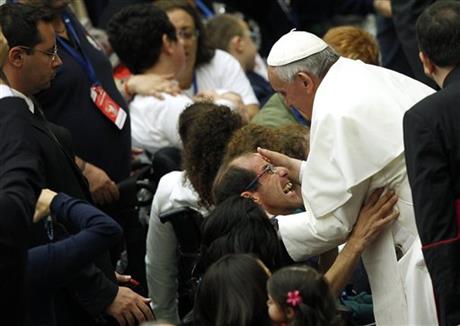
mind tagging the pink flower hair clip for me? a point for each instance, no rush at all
(293, 298)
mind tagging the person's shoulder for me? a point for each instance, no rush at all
(274, 113)
(175, 191)
(434, 104)
(152, 101)
(14, 111)
(171, 179)
(222, 59)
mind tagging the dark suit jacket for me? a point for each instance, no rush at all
(432, 149)
(404, 15)
(15, 216)
(48, 159)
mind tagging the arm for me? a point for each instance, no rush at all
(102, 188)
(55, 263)
(60, 263)
(161, 264)
(373, 218)
(150, 85)
(306, 235)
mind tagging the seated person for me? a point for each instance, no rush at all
(299, 295)
(146, 42)
(275, 113)
(231, 33)
(51, 266)
(233, 292)
(206, 69)
(204, 146)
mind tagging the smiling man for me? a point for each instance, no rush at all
(269, 186)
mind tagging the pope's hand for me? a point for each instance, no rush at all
(278, 159)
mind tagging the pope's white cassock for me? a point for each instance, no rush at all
(357, 146)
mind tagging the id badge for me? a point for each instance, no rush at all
(108, 106)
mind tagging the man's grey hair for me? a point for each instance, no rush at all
(317, 64)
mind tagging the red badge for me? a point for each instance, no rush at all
(108, 106)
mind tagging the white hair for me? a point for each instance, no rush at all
(317, 64)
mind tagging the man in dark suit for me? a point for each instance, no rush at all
(404, 16)
(43, 149)
(432, 147)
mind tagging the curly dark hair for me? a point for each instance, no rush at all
(317, 306)
(205, 129)
(204, 52)
(136, 35)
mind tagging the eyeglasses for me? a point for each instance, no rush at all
(53, 55)
(269, 168)
(186, 34)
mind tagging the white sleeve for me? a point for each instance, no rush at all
(232, 77)
(161, 266)
(306, 235)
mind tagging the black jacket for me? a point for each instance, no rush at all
(41, 148)
(432, 149)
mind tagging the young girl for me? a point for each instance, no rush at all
(299, 295)
(233, 292)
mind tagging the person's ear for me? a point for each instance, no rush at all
(167, 44)
(290, 313)
(428, 66)
(307, 81)
(16, 57)
(235, 46)
(254, 196)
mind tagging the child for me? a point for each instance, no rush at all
(298, 295)
(233, 292)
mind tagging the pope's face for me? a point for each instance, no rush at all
(296, 93)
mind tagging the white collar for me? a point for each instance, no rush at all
(6, 91)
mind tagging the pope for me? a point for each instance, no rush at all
(356, 112)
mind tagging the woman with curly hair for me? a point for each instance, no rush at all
(205, 129)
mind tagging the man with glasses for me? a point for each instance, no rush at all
(41, 150)
(250, 176)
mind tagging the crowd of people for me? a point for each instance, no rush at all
(167, 170)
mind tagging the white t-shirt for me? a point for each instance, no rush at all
(154, 122)
(223, 72)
